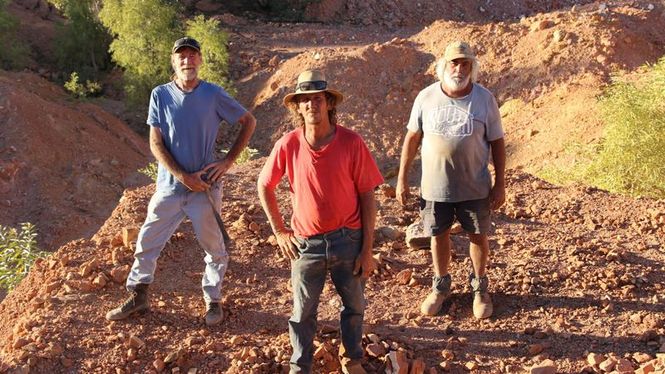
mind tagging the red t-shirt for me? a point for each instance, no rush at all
(324, 184)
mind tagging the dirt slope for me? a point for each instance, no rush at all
(546, 71)
(63, 163)
(574, 270)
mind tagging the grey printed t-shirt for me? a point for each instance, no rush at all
(455, 147)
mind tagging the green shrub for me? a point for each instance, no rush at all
(629, 159)
(18, 251)
(143, 33)
(82, 42)
(245, 155)
(12, 55)
(80, 90)
(213, 48)
(150, 170)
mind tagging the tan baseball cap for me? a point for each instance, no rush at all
(312, 81)
(458, 49)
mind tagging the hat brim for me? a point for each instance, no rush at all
(338, 95)
(460, 55)
(176, 49)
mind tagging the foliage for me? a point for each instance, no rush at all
(18, 251)
(629, 159)
(150, 170)
(143, 34)
(213, 48)
(245, 155)
(12, 55)
(82, 90)
(82, 42)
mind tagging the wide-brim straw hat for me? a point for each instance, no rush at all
(312, 81)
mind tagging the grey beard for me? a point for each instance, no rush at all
(456, 84)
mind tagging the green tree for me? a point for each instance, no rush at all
(12, 55)
(143, 32)
(18, 250)
(215, 53)
(82, 42)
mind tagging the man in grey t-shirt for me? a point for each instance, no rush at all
(459, 125)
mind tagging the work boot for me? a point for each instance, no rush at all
(482, 302)
(136, 302)
(440, 292)
(352, 366)
(214, 313)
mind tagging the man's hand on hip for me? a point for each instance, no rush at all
(288, 244)
(217, 169)
(194, 182)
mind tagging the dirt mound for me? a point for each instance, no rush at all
(63, 163)
(546, 71)
(403, 13)
(572, 267)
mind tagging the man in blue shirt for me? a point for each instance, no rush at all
(184, 118)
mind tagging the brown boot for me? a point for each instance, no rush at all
(136, 302)
(214, 313)
(432, 304)
(482, 302)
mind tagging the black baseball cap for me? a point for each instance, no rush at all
(186, 42)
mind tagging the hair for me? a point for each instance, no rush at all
(300, 121)
(441, 68)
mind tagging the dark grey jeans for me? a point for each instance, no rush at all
(333, 253)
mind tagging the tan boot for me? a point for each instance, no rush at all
(482, 302)
(432, 304)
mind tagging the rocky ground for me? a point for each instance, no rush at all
(577, 278)
(577, 274)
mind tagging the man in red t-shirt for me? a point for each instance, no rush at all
(332, 177)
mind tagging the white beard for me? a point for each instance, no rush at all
(456, 83)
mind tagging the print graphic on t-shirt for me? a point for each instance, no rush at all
(449, 121)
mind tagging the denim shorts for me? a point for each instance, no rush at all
(473, 215)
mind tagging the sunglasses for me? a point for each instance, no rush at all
(312, 86)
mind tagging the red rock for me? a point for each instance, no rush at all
(543, 367)
(595, 358)
(375, 350)
(607, 365)
(397, 362)
(624, 366)
(404, 276)
(471, 366)
(534, 349)
(129, 235)
(135, 342)
(417, 367)
(119, 274)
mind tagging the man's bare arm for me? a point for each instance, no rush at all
(285, 239)
(365, 264)
(217, 169)
(498, 192)
(409, 149)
